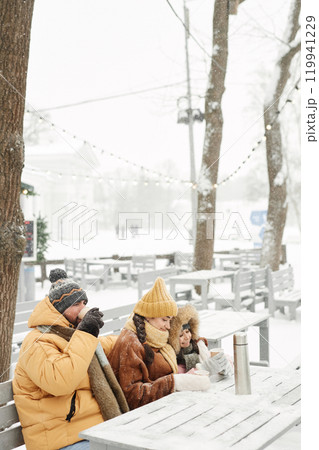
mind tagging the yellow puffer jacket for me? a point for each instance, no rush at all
(51, 378)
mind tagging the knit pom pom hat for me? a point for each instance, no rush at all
(157, 302)
(64, 291)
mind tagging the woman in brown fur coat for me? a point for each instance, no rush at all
(142, 359)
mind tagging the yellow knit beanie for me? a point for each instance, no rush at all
(157, 302)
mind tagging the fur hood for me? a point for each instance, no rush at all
(186, 314)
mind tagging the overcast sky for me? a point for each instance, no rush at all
(83, 50)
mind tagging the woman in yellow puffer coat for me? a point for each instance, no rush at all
(51, 384)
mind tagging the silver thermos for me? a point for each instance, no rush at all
(241, 364)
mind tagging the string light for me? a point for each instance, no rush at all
(160, 175)
(104, 151)
(263, 139)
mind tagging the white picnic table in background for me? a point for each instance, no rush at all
(199, 278)
(216, 325)
(108, 264)
(215, 419)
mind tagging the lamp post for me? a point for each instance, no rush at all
(190, 128)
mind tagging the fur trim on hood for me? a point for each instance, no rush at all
(185, 314)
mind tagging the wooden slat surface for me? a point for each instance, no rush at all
(216, 419)
(6, 394)
(8, 416)
(11, 438)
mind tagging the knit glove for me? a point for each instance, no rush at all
(91, 322)
(188, 382)
(217, 364)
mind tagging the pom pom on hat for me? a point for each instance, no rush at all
(157, 302)
(57, 274)
(64, 291)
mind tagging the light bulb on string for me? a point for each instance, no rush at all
(268, 127)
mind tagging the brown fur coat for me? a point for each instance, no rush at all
(140, 383)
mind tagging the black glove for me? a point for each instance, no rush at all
(91, 322)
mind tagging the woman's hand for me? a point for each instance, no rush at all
(218, 364)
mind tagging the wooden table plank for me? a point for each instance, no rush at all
(269, 432)
(206, 419)
(244, 428)
(291, 398)
(228, 422)
(163, 414)
(182, 417)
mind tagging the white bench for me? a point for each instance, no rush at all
(242, 294)
(260, 288)
(146, 280)
(282, 293)
(141, 263)
(10, 429)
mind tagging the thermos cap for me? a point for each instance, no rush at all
(240, 338)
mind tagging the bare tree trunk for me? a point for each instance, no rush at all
(206, 193)
(15, 28)
(277, 201)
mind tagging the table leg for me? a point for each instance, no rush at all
(106, 276)
(129, 278)
(172, 289)
(264, 342)
(204, 289)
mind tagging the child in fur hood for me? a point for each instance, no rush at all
(191, 350)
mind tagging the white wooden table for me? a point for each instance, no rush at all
(110, 264)
(226, 257)
(213, 420)
(216, 325)
(200, 278)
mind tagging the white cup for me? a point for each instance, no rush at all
(83, 312)
(215, 351)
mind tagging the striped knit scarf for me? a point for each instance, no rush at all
(105, 387)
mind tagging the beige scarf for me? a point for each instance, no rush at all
(156, 339)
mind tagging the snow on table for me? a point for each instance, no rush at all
(216, 418)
